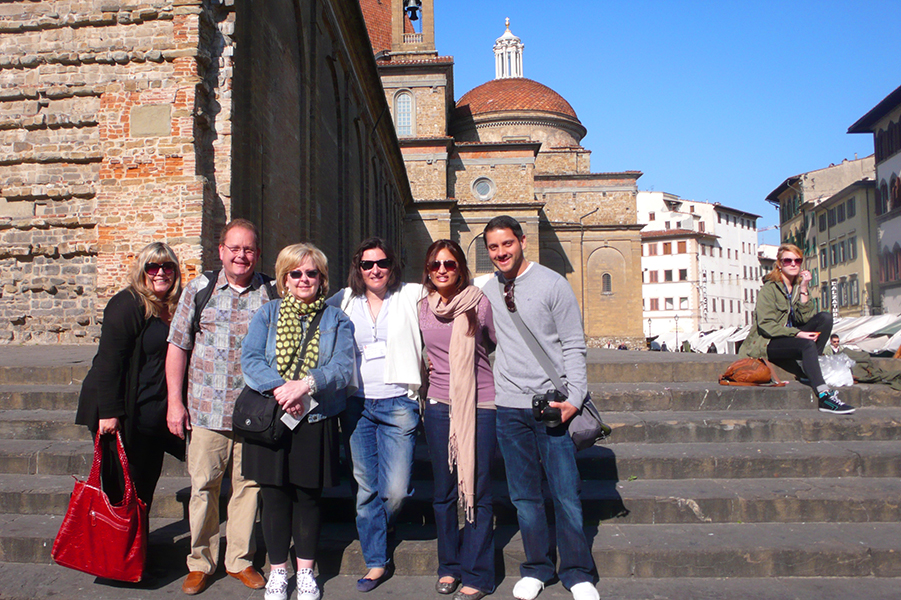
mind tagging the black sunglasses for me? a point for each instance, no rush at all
(383, 263)
(508, 296)
(153, 268)
(449, 265)
(310, 273)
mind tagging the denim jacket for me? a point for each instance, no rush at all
(336, 358)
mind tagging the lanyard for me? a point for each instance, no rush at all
(791, 314)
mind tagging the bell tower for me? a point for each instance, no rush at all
(413, 29)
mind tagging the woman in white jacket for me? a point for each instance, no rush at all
(381, 418)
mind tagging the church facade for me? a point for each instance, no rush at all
(509, 146)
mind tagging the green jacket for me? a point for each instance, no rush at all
(771, 315)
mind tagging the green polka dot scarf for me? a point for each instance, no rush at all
(293, 317)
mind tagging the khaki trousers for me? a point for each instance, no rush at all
(209, 455)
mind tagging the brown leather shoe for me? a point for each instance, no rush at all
(250, 578)
(195, 582)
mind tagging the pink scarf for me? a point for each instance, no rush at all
(461, 439)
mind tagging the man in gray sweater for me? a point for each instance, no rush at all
(548, 307)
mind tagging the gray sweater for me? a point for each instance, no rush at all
(549, 309)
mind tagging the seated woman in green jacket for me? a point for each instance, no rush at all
(787, 326)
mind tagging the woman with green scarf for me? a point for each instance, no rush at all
(302, 352)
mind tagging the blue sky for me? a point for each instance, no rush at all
(714, 101)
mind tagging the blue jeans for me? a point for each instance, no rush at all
(469, 556)
(522, 441)
(381, 434)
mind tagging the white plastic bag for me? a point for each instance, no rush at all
(837, 370)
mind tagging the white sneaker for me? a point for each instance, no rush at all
(277, 586)
(527, 588)
(307, 589)
(584, 591)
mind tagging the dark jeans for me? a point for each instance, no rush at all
(808, 351)
(290, 510)
(522, 441)
(469, 556)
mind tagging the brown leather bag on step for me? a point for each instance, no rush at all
(751, 371)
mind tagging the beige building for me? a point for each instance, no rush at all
(845, 237)
(509, 146)
(883, 121)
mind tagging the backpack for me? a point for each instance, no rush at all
(751, 371)
(203, 296)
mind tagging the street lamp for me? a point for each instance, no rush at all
(676, 318)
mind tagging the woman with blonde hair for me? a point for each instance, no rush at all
(302, 352)
(125, 390)
(786, 325)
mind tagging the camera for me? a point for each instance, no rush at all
(542, 411)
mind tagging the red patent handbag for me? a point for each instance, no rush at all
(103, 539)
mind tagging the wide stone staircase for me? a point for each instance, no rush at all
(698, 480)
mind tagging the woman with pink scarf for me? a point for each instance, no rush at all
(459, 418)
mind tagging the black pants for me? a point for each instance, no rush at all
(290, 510)
(145, 463)
(807, 351)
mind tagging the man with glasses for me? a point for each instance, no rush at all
(212, 345)
(548, 308)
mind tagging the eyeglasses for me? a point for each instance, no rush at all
(449, 265)
(383, 263)
(153, 268)
(236, 250)
(508, 296)
(310, 273)
(791, 261)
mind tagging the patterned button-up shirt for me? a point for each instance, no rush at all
(214, 373)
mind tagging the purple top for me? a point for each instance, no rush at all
(436, 333)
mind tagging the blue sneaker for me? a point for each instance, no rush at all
(829, 403)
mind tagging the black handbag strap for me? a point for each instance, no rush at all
(536, 348)
(314, 324)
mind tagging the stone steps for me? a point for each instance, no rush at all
(620, 550)
(698, 480)
(780, 500)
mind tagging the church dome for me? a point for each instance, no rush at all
(513, 94)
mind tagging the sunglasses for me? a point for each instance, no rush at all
(449, 265)
(508, 296)
(383, 263)
(310, 273)
(153, 268)
(791, 261)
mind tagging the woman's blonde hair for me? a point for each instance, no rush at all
(293, 255)
(776, 273)
(157, 252)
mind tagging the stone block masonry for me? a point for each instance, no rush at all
(99, 128)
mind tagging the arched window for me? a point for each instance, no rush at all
(607, 284)
(882, 200)
(403, 113)
(483, 262)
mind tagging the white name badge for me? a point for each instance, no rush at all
(375, 350)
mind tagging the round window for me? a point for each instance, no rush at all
(483, 188)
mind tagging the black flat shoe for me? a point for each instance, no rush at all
(447, 588)
(476, 595)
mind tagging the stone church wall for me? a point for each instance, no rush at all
(116, 129)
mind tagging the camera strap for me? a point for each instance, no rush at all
(535, 346)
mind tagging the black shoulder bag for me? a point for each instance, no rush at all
(257, 416)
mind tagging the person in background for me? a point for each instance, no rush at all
(834, 346)
(292, 474)
(786, 325)
(460, 420)
(125, 390)
(214, 383)
(381, 418)
(711, 349)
